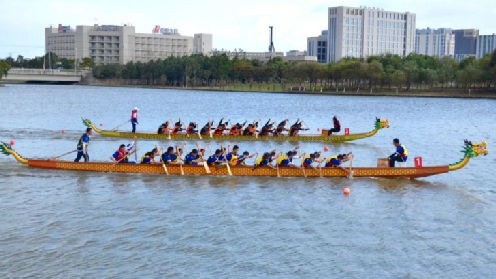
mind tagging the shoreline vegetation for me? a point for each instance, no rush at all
(388, 74)
(277, 89)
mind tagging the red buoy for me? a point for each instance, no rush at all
(346, 191)
(63, 131)
(12, 142)
(326, 148)
(318, 129)
(101, 124)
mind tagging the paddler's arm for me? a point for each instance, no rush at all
(252, 155)
(245, 123)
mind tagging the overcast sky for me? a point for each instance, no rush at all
(234, 24)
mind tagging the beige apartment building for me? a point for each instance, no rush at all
(113, 44)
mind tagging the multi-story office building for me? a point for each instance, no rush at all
(486, 44)
(317, 46)
(112, 44)
(435, 42)
(362, 32)
(202, 43)
(465, 43)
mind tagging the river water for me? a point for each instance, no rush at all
(97, 225)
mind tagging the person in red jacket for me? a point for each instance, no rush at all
(134, 119)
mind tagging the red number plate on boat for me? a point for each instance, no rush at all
(418, 162)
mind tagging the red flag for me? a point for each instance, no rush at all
(156, 29)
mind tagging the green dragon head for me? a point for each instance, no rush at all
(471, 150)
(381, 123)
(87, 122)
(6, 149)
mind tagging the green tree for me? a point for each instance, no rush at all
(87, 63)
(398, 78)
(4, 68)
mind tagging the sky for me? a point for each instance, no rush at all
(233, 24)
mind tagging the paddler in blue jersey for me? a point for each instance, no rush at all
(149, 157)
(263, 161)
(232, 155)
(307, 161)
(401, 154)
(286, 160)
(171, 157)
(193, 158)
(82, 146)
(337, 161)
(242, 158)
(214, 158)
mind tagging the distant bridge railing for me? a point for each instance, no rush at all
(47, 75)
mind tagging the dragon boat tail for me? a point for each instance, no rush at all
(378, 125)
(470, 150)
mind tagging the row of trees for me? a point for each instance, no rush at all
(49, 60)
(384, 71)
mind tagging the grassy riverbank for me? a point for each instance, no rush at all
(287, 89)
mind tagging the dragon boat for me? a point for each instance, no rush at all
(324, 137)
(470, 150)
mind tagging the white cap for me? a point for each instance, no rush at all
(136, 108)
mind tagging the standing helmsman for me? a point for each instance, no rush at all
(82, 147)
(134, 118)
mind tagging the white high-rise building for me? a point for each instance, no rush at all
(362, 32)
(486, 44)
(113, 44)
(435, 42)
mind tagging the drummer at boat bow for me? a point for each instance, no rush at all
(134, 118)
(82, 147)
(401, 154)
(337, 126)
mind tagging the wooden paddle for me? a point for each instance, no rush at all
(210, 129)
(53, 158)
(180, 121)
(179, 157)
(227, 163)
(198, 132)
(277, 170)
(115, 129)
(205, 163)
(302, 166)
(163, 163)
(136, 149)
(305, 125)
(351, 166)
